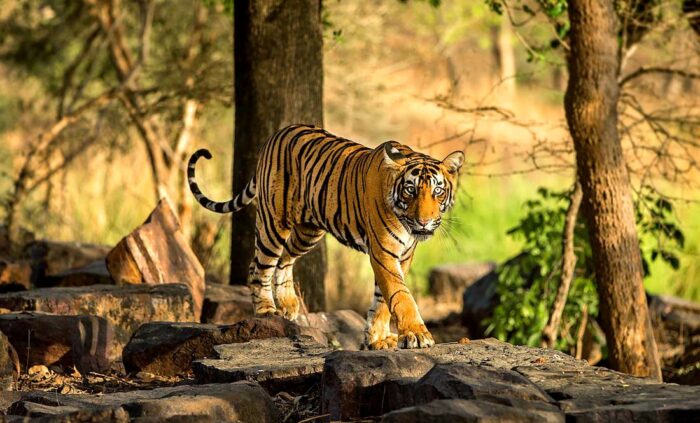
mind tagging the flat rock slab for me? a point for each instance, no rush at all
(370, 383)
(126, 308)
(168, 349)
(86, 342)
(469, 411)
(276, 363)
(156, 253)
(241, 401)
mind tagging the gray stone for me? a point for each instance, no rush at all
(52, 257)
(94, 273)
(86, 342)
(468, 411)
(168, 348)
(226, 304)
(125, 307)
(448, 282)
(344, 328)
(276, 363)
(241, 401)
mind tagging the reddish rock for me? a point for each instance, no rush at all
(9, 364)
(126, 308)
(86, 342)
(156, 253)
(226, 304)
(168, 349)
(15, 275)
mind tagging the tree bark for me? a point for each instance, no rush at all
(278, 53)
(591, 111)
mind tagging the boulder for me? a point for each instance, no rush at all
(226, 304)
(168, 349)
(369, 383)
(292, 365)
(50, 258)
(9, 364)
(447, 282)
(241, 401)
(126, 308)
(344, 328)
(157, 253)
(15, 275)
(86, 342)
(478, 302)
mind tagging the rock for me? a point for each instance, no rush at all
(156, 253)
(368, 383)
(226, 304)
(676, 324)
(86, 342)
(94, 273)
(478, 302)
(168, 349)
(344, 328)
(51, 257)
(15, 275)
(241, 401)
(9, 364)
(468, 411)
(448, 282)
(277, 363)
(126, 308)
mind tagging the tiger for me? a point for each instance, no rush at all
(381, 201)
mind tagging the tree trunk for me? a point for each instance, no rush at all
(504, 56)
(591, 111)
(278, 53)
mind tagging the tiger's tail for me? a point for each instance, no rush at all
(241, 200)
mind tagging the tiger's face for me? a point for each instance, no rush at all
(423, 189)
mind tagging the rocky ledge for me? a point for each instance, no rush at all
(485, 380)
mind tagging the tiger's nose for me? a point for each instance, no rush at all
(424, 222)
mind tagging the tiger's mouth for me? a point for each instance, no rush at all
(422, 232)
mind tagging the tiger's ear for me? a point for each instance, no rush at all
(454, 161)
(392, 155)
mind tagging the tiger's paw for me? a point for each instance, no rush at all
(267, 311)
(289, 307)
(416, 339)
(387, 343)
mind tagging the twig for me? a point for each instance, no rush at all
(550, 331)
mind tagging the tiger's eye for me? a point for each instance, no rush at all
(438, 191)
(410, 190)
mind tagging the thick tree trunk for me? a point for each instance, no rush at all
(591, 111)
(278, 52)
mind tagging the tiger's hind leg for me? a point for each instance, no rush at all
(268, 250)
(378, 334)
(304, 238)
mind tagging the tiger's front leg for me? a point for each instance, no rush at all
(388, 272)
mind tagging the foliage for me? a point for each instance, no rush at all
(527, 284)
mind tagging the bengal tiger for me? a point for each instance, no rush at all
(379, 201)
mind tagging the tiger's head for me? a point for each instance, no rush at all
(423, 188)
